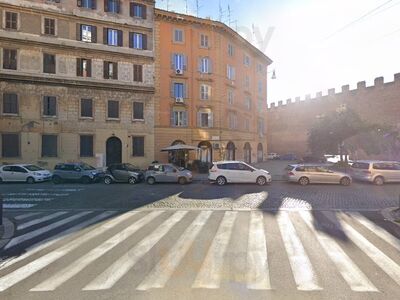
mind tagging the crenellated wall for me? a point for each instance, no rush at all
(289, 123)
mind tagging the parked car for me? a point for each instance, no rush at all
(377, 172)
(224, 172)
(23, 173)
(123, 173)
(313, 159)
(273, 156)
(80, 172)
(167, 173)
(289, 156)
(305, 174)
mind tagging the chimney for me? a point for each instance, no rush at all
(361, 85)
(289, 101)
(378, 81)
(397, 77)
(319, 95)
(345, 88)
(308, 96)
(331, 92)
(280, 103)
(297, 99)
(273, 105)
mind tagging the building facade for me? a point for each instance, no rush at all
(210, 91)
(77, 81)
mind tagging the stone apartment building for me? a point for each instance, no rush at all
(76, 81)
(210, 91)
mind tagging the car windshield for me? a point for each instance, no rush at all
(33, 168)
(131, 167)
(87, 167)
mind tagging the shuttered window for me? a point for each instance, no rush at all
(83, 67)
(113, 109)
(10, 59)
(86, 33)
(138, 73)
(49, 106)
(10, 104)
(113, 37)
(138, 41)
(86, 146)
(49, 146)
(87, 108)
(49, 26)
(138, 146)
(110, 70)
(138, 110)
(49, 63)
(112, 6)
(138, 10)
(10, 145)
(11, 20)
(87, 3)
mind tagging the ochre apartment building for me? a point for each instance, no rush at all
(210, 91)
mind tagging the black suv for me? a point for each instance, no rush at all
(123, 173)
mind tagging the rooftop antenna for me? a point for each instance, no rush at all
(198, 6)
(230, 22)
(167, 3)
(186, 4)
(221, 13)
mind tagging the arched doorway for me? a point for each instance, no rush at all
(230, 151)
(113, 151)
(205, 152)
(247, 153)
(260, 153)
(178, 158)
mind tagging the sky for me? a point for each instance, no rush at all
(315, 44)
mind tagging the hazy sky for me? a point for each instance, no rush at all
(311, 46)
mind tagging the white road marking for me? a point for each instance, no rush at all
(354, 277)
(257, 260)
(384, 262)
(18, 205)
(40, 220)
(26, 216)
(28, 199)
(303, 272)
(165, 268)
(54, 239)
(379, 231)
(32, 234)
(55, 190)
(68, 272)
(209, 275)
(27, 270)
(36, 194)
(118, 269)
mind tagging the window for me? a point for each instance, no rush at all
(10, 59)
(246, 60)
(178, 36)
(10, 145)
(205, 65)
(138, 110)
(203, 41)
(49, 26)
(260, 87)
(11, 20)
(10, 104)
(49, 63)
(112, 6)
(113, 37)
(138, 73)
(138, 146)
(231, 50)
(113, 109)
(179, 61)
(260, 68)
(231, 97)
(231, 73)
(87, 33)
(179, 118)
(138, 41)
(247, 103)
(205, 119)
(261, 130)
(110, 70)
(49, 145)
(179, 90)
(138, 10)
(232, 121)
(87, 3)
(83, 67)
(49, 106)
(86, 108)
(86, 146)
(205, 92)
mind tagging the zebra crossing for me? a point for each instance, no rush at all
(116, 244)
(30, 197)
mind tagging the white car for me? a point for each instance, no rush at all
(24, 173)
(273, 156)
(224, 172)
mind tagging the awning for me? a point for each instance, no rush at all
(180, 147)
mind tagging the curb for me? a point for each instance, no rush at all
(8, 232)
(387, 214)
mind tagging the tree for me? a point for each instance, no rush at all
(330, 131)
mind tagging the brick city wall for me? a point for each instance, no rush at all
(289, 124)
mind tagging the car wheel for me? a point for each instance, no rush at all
(85, 180)
(221, 180)
(182, 180)
(56, 179)
(108, 180)
(345, 181)
(30, 180)
(304, 181)
(379, 180)
(151, 180)
(132, 180)
(261, 181)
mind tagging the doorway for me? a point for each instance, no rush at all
(113, 151)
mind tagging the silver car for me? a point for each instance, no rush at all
(306, 174)
(377, 172)
(23, 173)
(167, 173)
